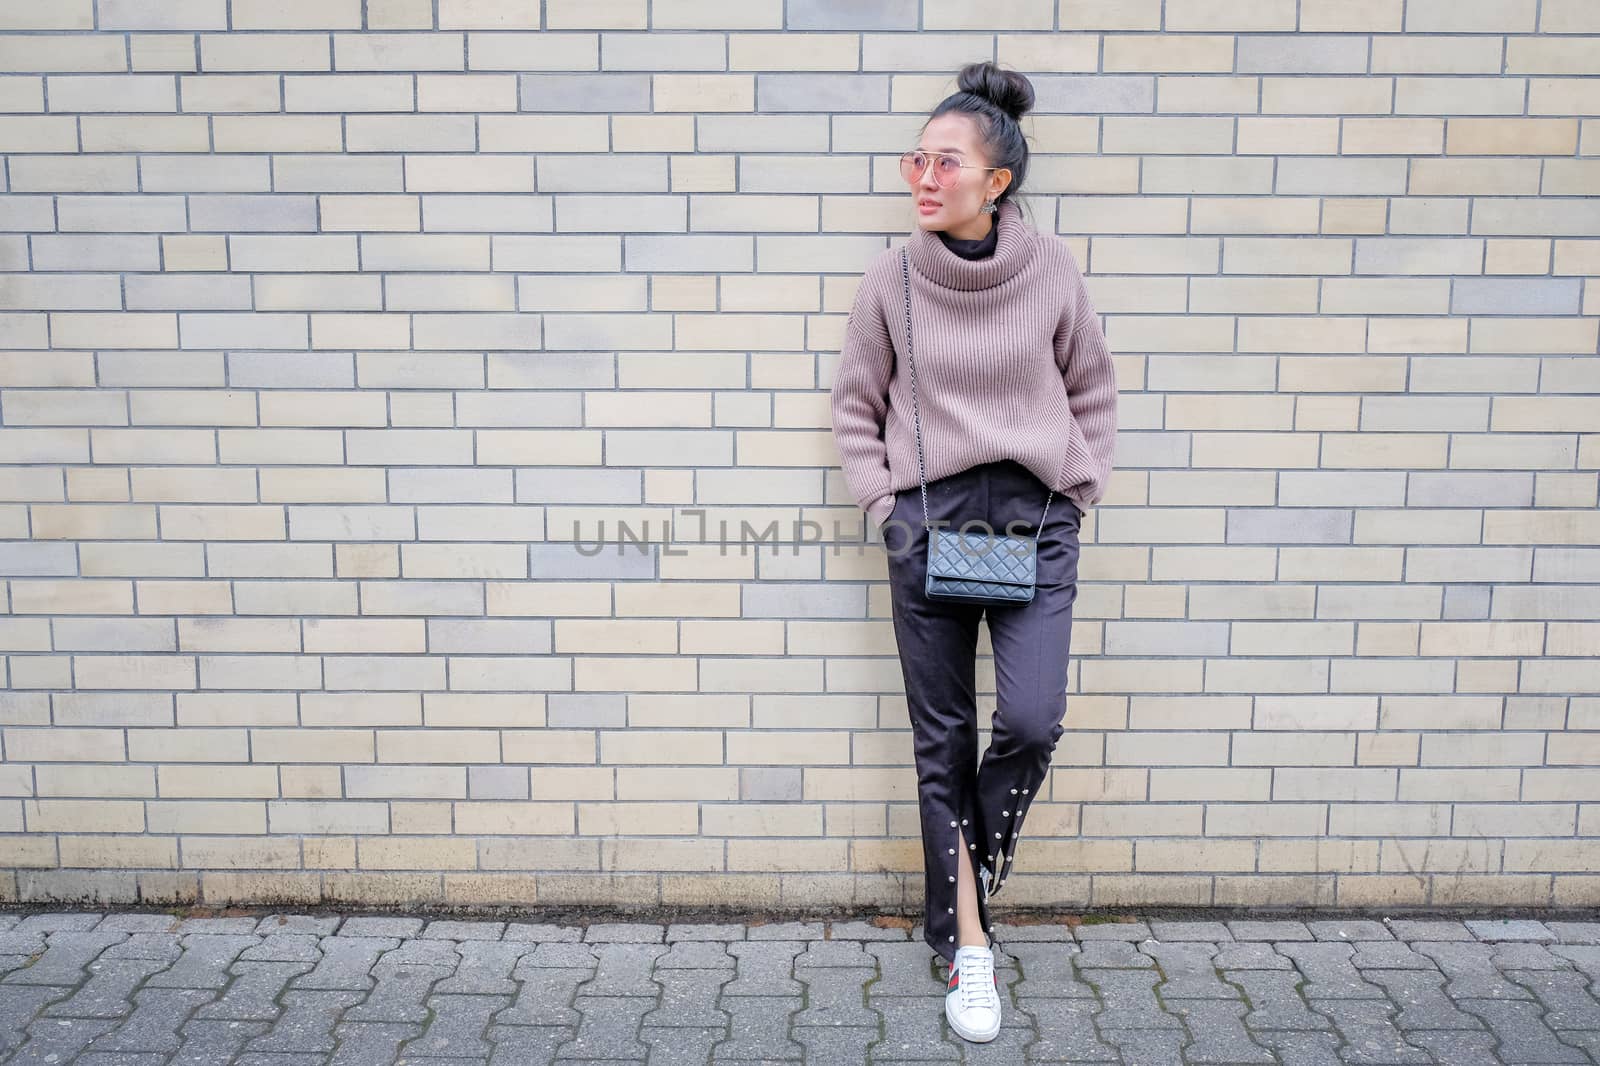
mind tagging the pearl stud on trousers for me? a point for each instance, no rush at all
(957, 796)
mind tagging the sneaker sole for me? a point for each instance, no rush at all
(975, 1036)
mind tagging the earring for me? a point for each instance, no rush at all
(988, 207)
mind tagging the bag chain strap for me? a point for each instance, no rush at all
(927, 524)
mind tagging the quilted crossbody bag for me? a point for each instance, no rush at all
(973, 566)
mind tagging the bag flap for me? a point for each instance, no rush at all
(976, 555)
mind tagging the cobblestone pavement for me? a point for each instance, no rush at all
(130, 989)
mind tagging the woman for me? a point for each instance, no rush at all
(1017, 401)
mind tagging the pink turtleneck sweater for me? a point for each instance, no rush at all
(1011, 364)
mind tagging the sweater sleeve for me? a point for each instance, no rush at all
(860, 403)
(1090, 378)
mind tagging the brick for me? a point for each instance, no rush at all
(131, 92)
(265, 51)
(178, 15)
(296, 14)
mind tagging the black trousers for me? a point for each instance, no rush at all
(938, 640)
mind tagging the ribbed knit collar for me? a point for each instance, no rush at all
(935, 261)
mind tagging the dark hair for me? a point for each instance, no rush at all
(997, 99)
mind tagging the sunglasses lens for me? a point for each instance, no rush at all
(946, 168)
(912, 165)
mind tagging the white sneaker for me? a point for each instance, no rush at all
(972, 997)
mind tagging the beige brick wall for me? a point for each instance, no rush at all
(327, 326)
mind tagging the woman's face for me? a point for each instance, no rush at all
(959, 206)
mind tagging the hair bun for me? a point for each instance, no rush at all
(1008, 90)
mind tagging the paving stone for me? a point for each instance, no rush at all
(1349, 929)
(848, 954)
(1301, 1048)
(1457, 1047)
(1275, 930)
(542, 933)
(527, 1045)
(544, 996)
(1112, 954)
(297, 923)
(713, 955)
(625, 933)
(915, 1030)
(1148, 1047)
(1050, 970)
(1509, 929)
(307, 1023)
(1521, 1034)
(1471, 973)
(217, 926)
(57, 1040)
(1254, 955)
(53, 922)
(285, 947)
(207, 1043)
(447, 930)
(1387, 955)
(22, 943)
(1066, 1030)
(66, 954)
(1584, 957)
(846, 931)
(1274, 996)
(1587, 1039)
(138, 923)
(1129, 931)
(906, 970)
(836, 996)
(1129, 1001)
(1420, 996)
(456, 1026)
(14, 962)
(205, 961)
(444, 954)
(347, 961)
(381, 927)
(787, 931)
(689, 999)
(1217, 1032)
(1527, 956)
(608, 1028)
(1328, 971)
(1188, 971)
(833, 1045)
(107, 992)
(1169, 931)
(254, 992)
(403, 987)
(153, 1026)
(624, 970)
(1032, 933)
(485, 969)
(1564, 994)
(371, 1043)
(19, 1005)
(1370, 1035)
(1428, 929)
(1575, 932)
(167, 947)
(765, 968)
(671, 1047)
